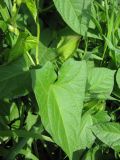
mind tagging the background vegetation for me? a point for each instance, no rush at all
(59, 79)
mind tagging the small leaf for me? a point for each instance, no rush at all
(28, 154)
(18, 49)
(30, 43)
(30, 120)
(67, 46)
(100, 82)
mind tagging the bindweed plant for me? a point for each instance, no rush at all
(59, 79)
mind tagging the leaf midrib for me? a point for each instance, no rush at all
(52, 88)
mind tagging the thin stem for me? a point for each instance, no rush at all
(47, 8)
(14, 13)
(35, 149)
(38, 35)
(115, 94)
(106, 9)
(107, 16)
(29, 56)
(105, 48)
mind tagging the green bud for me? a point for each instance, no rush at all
(19, 2)
(13, 29)
(14, 9)
(67, 46)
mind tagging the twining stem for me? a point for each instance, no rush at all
(107, 16)
(46, 9)
(110, 24)
(38, 35)
(15, 10)
(29, 56)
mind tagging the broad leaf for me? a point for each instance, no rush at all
(16, 78)
(118, 77)
(76, 13)
(100, 83)
(61, 102)
(108, 133)
(41, 81)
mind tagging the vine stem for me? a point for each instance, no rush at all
(107, 16)
(46, 9)
(38, 35)
(29, 56)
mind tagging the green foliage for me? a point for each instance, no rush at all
(17, 76)
(118, 78)
(100, 82)
(108, 133)
(75, 13)
(67, 46)
(63, 98)
(59, 79)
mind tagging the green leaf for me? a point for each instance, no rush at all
(94, 105)
(4, 108)
(28, 154)
(101, 116)
(92, 154)
(42, 79)
(35, 132)
(75, 13)
(86, 136)
(46, 54)
(30, 120)
(18, 49)
(20, 133)
(14, 116)
(4, 11)
(108, 133)
(118, 77)
(32, 7)
(9, 5)
(3, 25)
(16, 78)
(61, 102)
(30, 43)
(100, 83)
